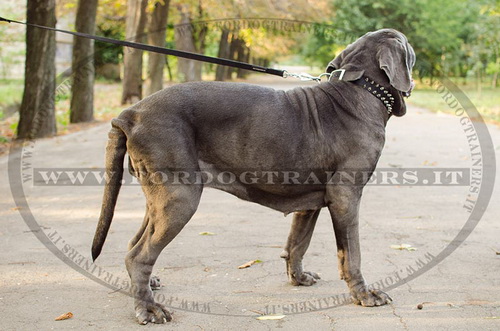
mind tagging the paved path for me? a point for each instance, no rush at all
(200, 272)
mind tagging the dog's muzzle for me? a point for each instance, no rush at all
(412, 86)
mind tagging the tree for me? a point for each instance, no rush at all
(233, 49)
(37, 112)
(156, 36)
(438, 42)
(484, 45)
(220, 72)
(82, 68)
(132, 60)
(110, 22)
(191, 38)
(243, 55)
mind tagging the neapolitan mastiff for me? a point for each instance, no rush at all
(216, 127)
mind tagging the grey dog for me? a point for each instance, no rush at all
(215, 127)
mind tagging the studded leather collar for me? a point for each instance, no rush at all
(380, 92)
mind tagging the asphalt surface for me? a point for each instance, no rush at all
(201, 281)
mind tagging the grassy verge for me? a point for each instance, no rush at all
(106, 106)
(487, 101)
(11, 92)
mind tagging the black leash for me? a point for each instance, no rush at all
(162, 50)
(378, 91)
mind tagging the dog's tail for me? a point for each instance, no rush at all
(115, 154)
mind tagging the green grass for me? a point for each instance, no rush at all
(487, 102)
(11, 93)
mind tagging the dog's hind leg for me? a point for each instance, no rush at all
(141, 230)
(298, 241)
(169, 210)
(154, 281)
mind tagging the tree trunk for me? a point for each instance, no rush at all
(82, 68)
(220, 72)
(132, 58)
(201, 32)
(243, 55)
(188, 70)
(233, 47)
(37, 112)
(156, 36)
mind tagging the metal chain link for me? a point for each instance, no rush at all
(305, 76)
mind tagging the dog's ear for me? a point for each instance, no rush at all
(335, 63)
(393, 59)
(352, 71)
(399, 108)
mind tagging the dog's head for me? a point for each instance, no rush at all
(383, 55)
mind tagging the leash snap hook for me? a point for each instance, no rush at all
(342, 72)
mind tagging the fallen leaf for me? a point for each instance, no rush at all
(64, 316)
(206, 233)
(246, 265)
(15, 208)
(493, 318)
(271, 246)
(270, 317)
(428, 163)
(494, 250)
(404, 247)
(257, 312)
(249, 264)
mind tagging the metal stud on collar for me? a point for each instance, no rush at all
(382, 93)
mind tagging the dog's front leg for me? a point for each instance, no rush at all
(343, 204)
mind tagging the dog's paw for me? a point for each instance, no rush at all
(285, 255)
(371, 298)
(154, 282)
(152, 312)
(306, 278)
